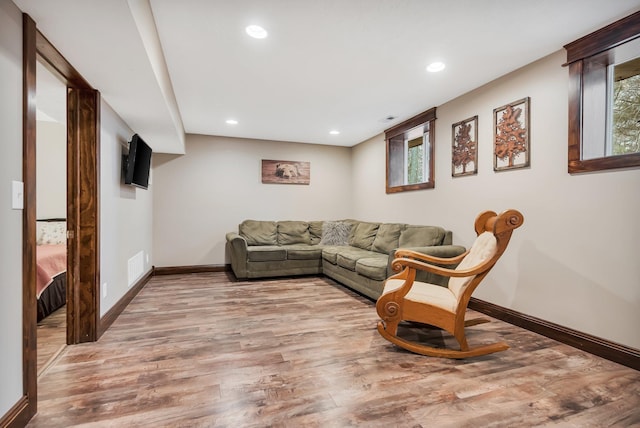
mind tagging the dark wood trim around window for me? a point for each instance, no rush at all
(598, 42)
(401, 128)
(606, 38)
(411, 123)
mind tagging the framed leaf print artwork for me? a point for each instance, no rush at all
(464, 147)
(511, 135)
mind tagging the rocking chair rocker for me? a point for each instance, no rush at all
(405, 299)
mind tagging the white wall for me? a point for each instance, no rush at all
(10, 220)
(202, 195)
(51, 169)
(126, 215)
(575, 260)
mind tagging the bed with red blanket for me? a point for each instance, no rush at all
(51, 267)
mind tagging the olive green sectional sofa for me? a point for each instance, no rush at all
(355, 253)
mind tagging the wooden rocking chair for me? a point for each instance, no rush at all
(405, 299)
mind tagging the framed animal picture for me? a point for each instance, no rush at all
(286, 172)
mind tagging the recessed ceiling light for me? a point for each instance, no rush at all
(231, 122)
(256, 31)
(334, 132)
(434, 67)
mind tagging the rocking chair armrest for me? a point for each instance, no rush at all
(412, 264)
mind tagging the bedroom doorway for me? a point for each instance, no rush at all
(51, 215)
(82, 168)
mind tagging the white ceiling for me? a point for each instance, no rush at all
(173, 67)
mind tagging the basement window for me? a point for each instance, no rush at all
(410, 154)
(604, 98)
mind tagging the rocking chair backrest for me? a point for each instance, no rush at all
(482, 250)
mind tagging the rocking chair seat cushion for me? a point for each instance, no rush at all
(423, 292)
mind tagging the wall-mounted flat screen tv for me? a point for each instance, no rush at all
(138, 163)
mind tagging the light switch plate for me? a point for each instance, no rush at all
(17, 195)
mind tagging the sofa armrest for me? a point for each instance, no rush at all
(237, 250)
(442, 251)
(235, 235)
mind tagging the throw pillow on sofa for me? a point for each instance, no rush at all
(421, 236)
(363, 235)
(387, 237)
(293, 232)
(259, 232)
(335, 233)
(315, 232)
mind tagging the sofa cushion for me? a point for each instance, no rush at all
(266, 253)
(373, 267)
(259, 232)
(330, 254)
(421, 236)
(387, 238)
(335, 233)
(293, 232)
(303, 252)
(315, 232)
(363, 235)
(349, 256)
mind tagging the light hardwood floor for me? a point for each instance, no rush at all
(201, 350)
(52, 338)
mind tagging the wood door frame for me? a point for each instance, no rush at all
(83, 268)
